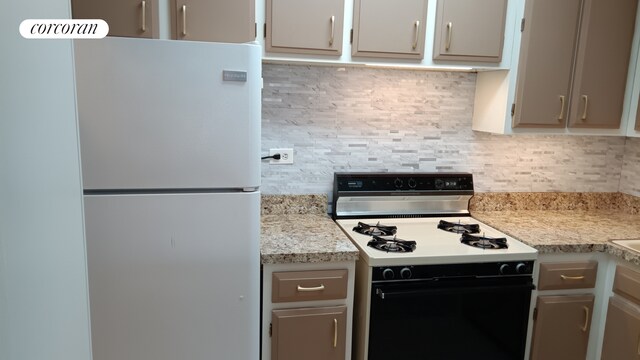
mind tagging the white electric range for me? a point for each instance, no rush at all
(454, 287)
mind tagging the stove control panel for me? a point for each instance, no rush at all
(384, 182)
(425, 272)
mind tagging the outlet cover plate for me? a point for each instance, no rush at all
(286, 156)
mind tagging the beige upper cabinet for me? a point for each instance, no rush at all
(544, 76)
(305, 26)
(129, 18)
(602, 63)
(561, 328)
(556, 89)
(214, 20)
(389, 29)
(470, 30)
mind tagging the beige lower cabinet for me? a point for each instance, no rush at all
(309, 333)
(621, 332)
(307, 311)
(561, 327)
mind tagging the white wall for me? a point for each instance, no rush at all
(43, 281)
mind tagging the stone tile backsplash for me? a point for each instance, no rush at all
(630, 177)
(366, 119)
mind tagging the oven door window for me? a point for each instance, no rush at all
(468, 319)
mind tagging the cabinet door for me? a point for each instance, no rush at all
(470, 30)
(638, 117)
(388, 28)
(561, 328)
(309, 333)
(305, 26)
(129, 18)
(546, 58)
(621, 332)
(215, 20)
(602, 63)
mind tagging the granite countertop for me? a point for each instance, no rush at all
(579, 223)
(297, 229)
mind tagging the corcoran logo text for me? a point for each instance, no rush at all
(64, 29)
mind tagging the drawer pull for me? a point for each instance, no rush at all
(449, 31)
(307, 289)
(417, 34)
(332, 19)
(335, 333)
(586, 319)
(565, 277)
(144, 16)
(184, 20)
(586, 105)
(561, 116)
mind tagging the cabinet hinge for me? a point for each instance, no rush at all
(535, 313)
(265, 30)
(522, 25)
(351, 37)
(513, 109)
(270, 329)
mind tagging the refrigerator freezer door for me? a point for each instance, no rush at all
(159, 114)
(174, 276)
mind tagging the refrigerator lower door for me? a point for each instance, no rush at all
(174, 276)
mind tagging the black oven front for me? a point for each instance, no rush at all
(450, 312)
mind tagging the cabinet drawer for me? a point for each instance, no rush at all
(309, 285)
(627, 283)
(567, 275)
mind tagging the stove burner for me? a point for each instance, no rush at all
(459, 228)
(484, 242)
(392, 245)
(375, 230)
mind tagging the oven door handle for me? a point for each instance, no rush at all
(388, 295)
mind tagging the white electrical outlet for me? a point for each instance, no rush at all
(286, 156)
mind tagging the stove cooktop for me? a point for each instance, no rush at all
(432, 244)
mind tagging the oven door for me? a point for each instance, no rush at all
(468, 318)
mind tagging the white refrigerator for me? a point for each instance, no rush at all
(170, 152)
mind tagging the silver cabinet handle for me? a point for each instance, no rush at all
(449, 31)
(335, 333)
(307, 289)
(417, 30)
(144, 16)
(586, 319)
(332, 19)
(586, 105)
(565, 277)
(184, 20)
(561, 116)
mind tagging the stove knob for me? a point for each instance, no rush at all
(405, 273)
(439, 184)
(388, 274)
(522, 268)
(505, 269)
(412, 183)
(398, 183)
